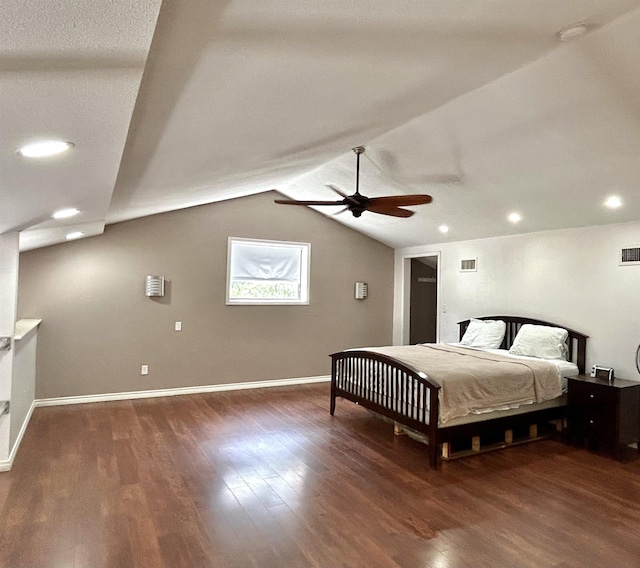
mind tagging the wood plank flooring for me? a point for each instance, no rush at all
(267, 478)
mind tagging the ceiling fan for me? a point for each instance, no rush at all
(358, 203)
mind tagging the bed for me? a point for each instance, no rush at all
(398, 383)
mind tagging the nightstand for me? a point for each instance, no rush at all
(604, 414)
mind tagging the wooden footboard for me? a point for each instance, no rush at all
(390, 388)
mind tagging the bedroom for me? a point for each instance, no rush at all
(567, 272)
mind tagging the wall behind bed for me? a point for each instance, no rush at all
(98, 327)
(569, 276)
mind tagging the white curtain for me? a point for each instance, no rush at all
(265, 262)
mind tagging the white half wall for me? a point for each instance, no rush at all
(8, 308)
(571, 277)
(23, 384)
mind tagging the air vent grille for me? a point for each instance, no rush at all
(630, 255)
(469, 265)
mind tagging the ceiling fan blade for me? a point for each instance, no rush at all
(340, 211)
(294, 202)
(347, 198)
(401, 200)
(391, 211)
(338, 191)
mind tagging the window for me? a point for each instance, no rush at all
(267, 272)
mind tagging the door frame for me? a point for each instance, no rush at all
(402, 294)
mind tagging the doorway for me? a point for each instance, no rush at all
(423, 300)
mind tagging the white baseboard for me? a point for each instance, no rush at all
(85, 399)
(6, 465)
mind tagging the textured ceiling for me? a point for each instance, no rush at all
(475, 103)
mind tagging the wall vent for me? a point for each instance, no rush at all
(469, 265)
(629, 255)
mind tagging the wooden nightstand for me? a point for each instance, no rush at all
(604, 414)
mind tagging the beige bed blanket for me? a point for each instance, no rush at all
(473, 382)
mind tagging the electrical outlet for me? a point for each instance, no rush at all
(144, 370)
(178, 326)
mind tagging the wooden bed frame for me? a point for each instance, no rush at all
(412, 401)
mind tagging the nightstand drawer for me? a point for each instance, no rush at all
(597, 398)
(600, 431)
(595, 402)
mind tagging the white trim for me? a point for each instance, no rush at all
(85, 399)
(6, 465)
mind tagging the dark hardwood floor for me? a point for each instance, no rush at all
(267, 478)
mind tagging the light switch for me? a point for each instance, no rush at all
(178, 326)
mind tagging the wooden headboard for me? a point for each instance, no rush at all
(577, 342)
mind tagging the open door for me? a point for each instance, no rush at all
(423, 300)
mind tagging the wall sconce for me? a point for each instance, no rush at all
(361, 291)
(154, 286)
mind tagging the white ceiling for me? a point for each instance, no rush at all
(187, 102)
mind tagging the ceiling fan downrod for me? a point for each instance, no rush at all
(358, 208)
(358, 150)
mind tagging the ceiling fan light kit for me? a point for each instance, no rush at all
(357, 203)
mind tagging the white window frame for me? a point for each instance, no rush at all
(305, 270)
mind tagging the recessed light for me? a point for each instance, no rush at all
(514, 217)
(44, 148)
(572, 31)
(443, 229)
(74, 235)
(613, 202)
(64, 213)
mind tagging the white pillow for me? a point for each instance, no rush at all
(484, 334)
(541, 341)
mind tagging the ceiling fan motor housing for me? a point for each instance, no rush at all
(360, 205)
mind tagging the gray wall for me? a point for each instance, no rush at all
(98, 327)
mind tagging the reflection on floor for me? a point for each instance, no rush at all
(267, 478)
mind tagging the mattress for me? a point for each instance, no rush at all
(564, 369)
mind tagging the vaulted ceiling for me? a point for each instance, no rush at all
(185, 102)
